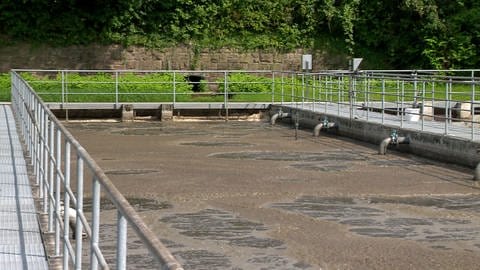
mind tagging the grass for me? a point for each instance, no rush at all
(5, 85)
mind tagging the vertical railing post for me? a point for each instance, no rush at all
(36, 144)
(41, 138)
(402, 114)
(433, 99)
(326, 88)
(313, 91)
(45, 162)
(29, 119)
(415, 76)
(121, 242)
(58, 149)
(383, 100)
(95, 223)
(447, 107)
(66, 96)
(51, 197)
(225, 94)
(450, 90)
(350, 96)
(63, 87)
(282, 89)
(339, 91)
(293, 88)
(273, 87)
(79, 208)
(367, 95)
(303, 90)
(116, 90)
(66, 206)
(422, 108)
(398, 97)
(329, 98)
(472, 107)
(174, 88)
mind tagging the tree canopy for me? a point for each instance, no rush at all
(396, 34)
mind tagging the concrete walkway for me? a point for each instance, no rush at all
(21, 245)
(462, 130)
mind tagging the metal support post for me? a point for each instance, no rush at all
(174, 88)
(121, 242)
(66, 200)
(383, 100)
(95, 223)
(78, 221)
(225, 93)
(58, 158)
(116, 90)
(51, 202)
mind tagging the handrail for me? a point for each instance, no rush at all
(453, 91)
(47, 140)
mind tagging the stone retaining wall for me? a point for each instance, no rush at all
(182, 57)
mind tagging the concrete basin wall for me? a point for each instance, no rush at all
(434, 146)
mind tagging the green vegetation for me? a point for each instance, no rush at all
(402, 34)
(102, 87)
(5, 85)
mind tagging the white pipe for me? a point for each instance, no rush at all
(72, 220)
(477, 173)
(316, 130)
(384, 144)
(278, 115)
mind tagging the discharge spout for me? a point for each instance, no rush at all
(278, 115)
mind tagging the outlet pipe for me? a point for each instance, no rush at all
(278, 115)
(72, 220)
(316, 130)
(393, 139)
(477, 173)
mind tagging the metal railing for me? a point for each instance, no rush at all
(429, 97)
(444, 102)
(53, 150)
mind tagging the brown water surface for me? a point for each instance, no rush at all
(245, 195)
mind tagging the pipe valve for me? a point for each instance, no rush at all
(394, 137)
(325, 122)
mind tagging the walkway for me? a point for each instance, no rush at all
(21, 245)
(457, 129)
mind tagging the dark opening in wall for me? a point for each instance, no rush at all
(195, 80)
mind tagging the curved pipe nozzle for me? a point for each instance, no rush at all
(279, 115)
(316, 130)
(476, 176)
(384, 144)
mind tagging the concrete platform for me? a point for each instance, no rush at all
(21, 245)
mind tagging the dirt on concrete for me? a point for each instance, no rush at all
(246, 195)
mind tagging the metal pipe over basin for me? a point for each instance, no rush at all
(323, 125)
(476, 176)
(279, 115)
(393, 139)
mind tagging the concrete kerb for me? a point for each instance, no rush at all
(434, 146)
